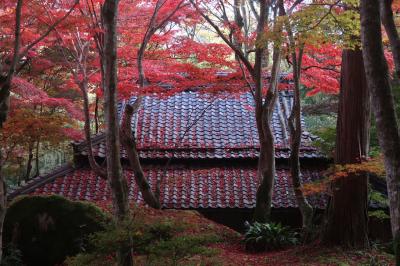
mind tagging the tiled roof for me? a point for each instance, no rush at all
(192, 125)
(182, 187)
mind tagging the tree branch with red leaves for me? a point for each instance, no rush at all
(79, 72)
(5, 82)
(264, 104)
(127, 138)
(388, 22)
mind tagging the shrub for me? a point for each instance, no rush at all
(177, 248)
(153, 243)
(47, 229)
(268, 236)
(12, 258)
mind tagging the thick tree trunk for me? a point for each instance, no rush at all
(265, 172)
(347, 212)
(391, 31)
(129, 143)
(376, 69)
(266, 161)
(117, 182)
(263, 111)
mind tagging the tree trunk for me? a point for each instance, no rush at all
(295, 142)
(264, 106)
(129, 143)
(127, 138)
(151, 29)
(347, 212)
(88, 135)
(265, 172)
(117, 182)
(96, 115)
(265, 56)
(5, 85)
(5, 82)
(240, 24)
(266, 161)
(295, 129)
(4, 101)
(3, 204)
(391, 31)
(37, 170)
(377, 74)
(29, 163)
(263, 111)
(265, 168)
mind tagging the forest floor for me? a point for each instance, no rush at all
(231, 250)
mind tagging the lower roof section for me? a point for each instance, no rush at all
(182, 187)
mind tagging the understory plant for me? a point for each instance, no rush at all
(159, 242)
(12, 257)
(268, 236)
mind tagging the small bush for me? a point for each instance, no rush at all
(268, 236)
(181, 247)
(163, 230)
(47, 229)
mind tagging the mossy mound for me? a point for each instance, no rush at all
(47, 229)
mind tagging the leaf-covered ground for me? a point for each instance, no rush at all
(230, 251)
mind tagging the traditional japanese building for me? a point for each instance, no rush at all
(204, 149)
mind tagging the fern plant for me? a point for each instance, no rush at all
(268, 236)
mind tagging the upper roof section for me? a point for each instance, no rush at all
(195, 125)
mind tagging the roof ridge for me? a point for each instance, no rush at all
(304, 148)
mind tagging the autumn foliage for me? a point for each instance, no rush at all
(367, 166)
